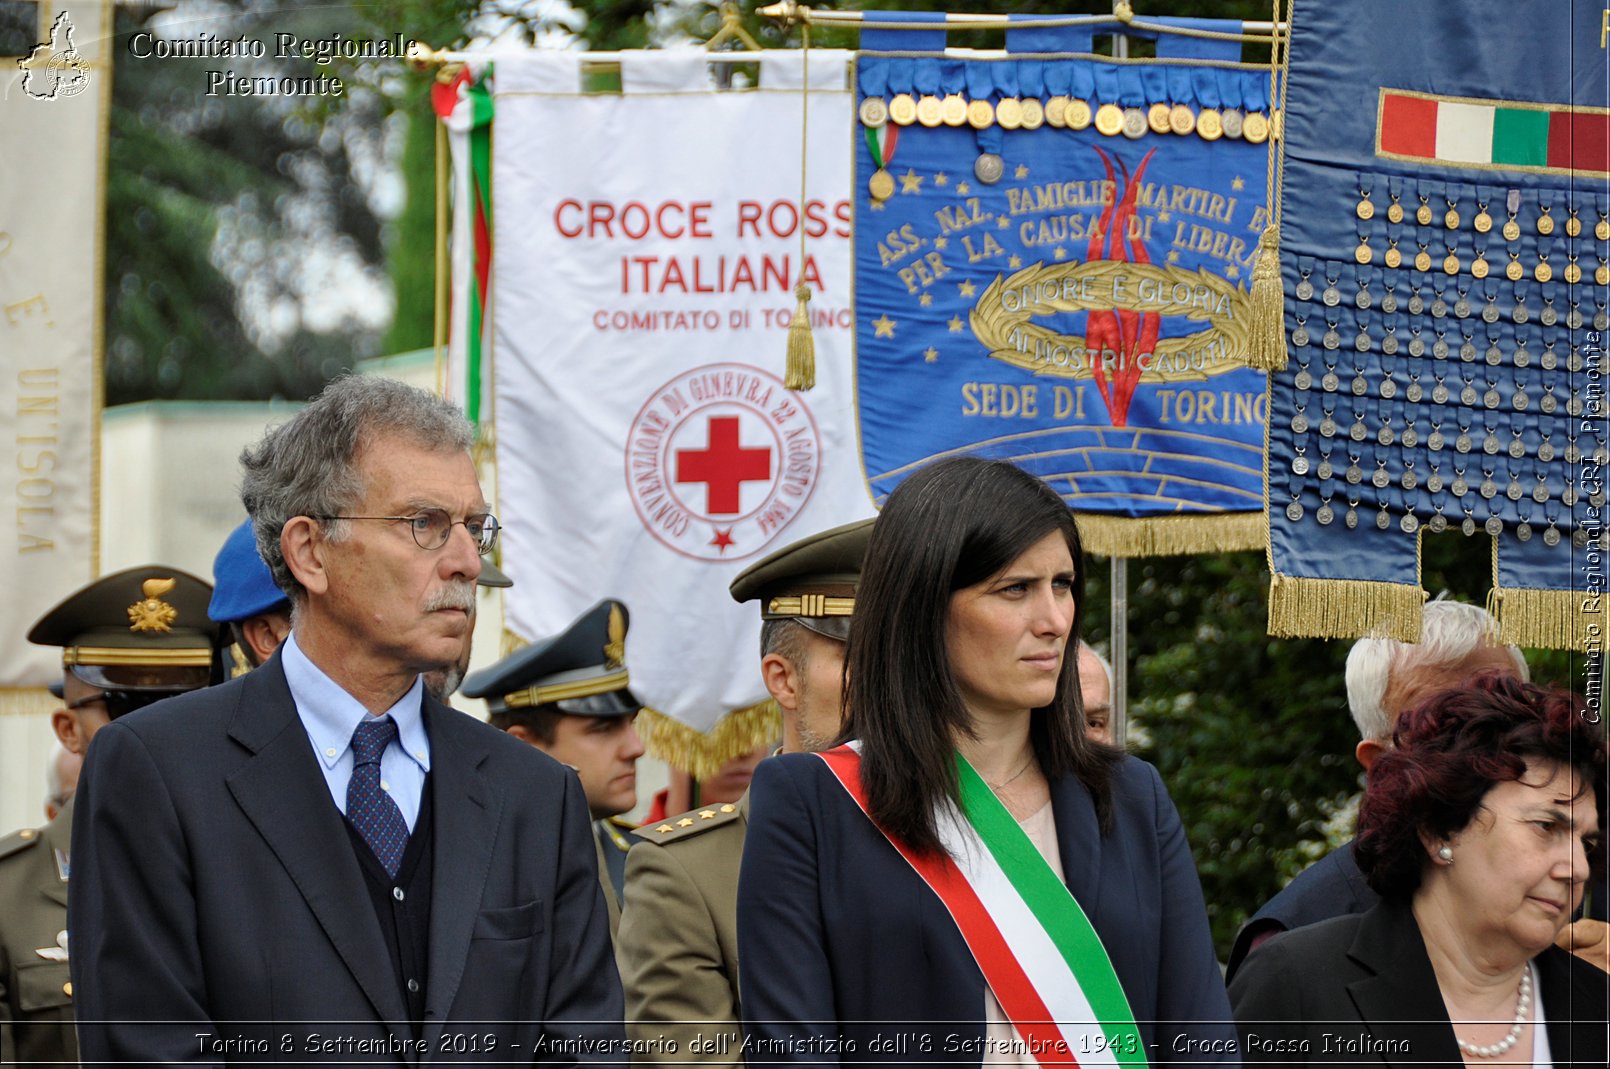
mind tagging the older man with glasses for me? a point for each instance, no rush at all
(127, 639)
(320, 860)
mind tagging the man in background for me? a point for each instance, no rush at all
(127, 640)
(678, 941)
(1095, 688)
(567, 696)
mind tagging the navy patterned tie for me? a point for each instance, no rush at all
(371, 809)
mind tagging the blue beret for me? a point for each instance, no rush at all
(243, 586)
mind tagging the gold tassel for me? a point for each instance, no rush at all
(1266, 307)
(1549, 619)
(702, 754)
(1343, 608)
(1168, 536)
(800, 371)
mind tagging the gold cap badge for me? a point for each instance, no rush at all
(153, 614)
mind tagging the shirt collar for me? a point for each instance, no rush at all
(331, 715)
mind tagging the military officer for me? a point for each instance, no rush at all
(567, 696)
(678, 941)
(127, 640)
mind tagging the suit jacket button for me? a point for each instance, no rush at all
(413, 987)
(397, 893)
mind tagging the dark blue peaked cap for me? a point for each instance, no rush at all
(581, 670)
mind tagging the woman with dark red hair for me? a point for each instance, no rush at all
(1479, 829)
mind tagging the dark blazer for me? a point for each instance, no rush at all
(1331, 887)
(215, 882)
(1359, 990)
(841, 939)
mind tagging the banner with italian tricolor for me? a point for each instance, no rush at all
(1513, 135)
(1445, 259)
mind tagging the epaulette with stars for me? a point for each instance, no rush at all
(690, 823)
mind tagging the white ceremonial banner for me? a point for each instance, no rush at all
(647, 247)
(53, 117)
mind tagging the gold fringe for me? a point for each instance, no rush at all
(27, 701)
(1550, 619)
(1266, 309)
(800, 370)
(511, 642)
(703, 753)
(1167, 536)
(1343, 608)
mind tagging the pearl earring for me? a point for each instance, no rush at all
(1445, 853)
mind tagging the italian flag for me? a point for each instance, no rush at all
(1495, 133)
(464, 105)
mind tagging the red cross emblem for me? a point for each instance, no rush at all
(723, 466)
(740, 434)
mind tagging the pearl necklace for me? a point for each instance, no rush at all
(1523, 1008)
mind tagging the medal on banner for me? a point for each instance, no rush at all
(881, 141)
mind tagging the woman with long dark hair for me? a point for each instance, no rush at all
(969, 878)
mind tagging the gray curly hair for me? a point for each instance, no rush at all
(305, 467)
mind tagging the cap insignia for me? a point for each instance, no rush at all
(615, 648)
(153, 614)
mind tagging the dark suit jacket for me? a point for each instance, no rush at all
(839, 936)
(1333, 886)
(214, 882)
(1359, 990)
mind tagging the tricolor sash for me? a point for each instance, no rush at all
(1038, 951)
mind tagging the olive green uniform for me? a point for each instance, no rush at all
(678, 941)
(36, 991)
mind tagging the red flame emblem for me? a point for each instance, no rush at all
(1119, 340)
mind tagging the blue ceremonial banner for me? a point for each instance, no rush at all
(1444, 240)
(1051, 253)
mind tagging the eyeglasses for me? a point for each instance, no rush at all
(432, 527)
(121, 702)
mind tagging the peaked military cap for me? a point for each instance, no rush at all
(142, 629)
(492, 575)
(811, 582)
(243, 586)
(581, 670)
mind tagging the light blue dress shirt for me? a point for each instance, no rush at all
(330, 715)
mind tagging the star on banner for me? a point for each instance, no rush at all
(926, 299)
(1060, 253)
(955, 324)
(1163, 216)
(962, 189)
(1173, 256)
(723, 538)
(930, 354)
(967, 289)
(910, 182)
(1015, 262)
(1002, 222)
(941, 179)
(883, 327)
(1231, 271)
(1022, 171)
(877, 205)
(1238, 183)
(941, 241)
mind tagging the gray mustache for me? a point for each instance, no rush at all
(459, 595)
